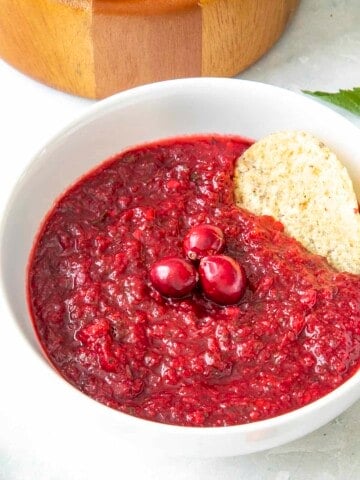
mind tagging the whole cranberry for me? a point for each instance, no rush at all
(222, 278)
(173, 277)
(203, 240)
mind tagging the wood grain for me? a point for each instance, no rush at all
(139, 49)
(95, 48)
(235, 33)
(50, 41)
(143, 7)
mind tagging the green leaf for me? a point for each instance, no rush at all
(347, 99)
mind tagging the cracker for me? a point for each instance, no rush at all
(298, 180)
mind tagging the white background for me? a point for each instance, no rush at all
(320, 50)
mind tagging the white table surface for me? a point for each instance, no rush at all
(320, 50)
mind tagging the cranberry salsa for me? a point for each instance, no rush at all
(151, 292)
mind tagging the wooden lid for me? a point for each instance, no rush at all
(95, 48)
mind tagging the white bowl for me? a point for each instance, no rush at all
(148, 113)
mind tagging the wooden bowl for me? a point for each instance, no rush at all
(95, 48)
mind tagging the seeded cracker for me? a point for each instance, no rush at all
(295, 178)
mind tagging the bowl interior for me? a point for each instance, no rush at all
(144, 114)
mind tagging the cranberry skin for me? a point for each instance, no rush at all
(203, 240)
(222, 278)
(173, 277)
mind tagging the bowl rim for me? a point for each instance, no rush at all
(90, 113)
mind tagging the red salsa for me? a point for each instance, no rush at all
(293, 337)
